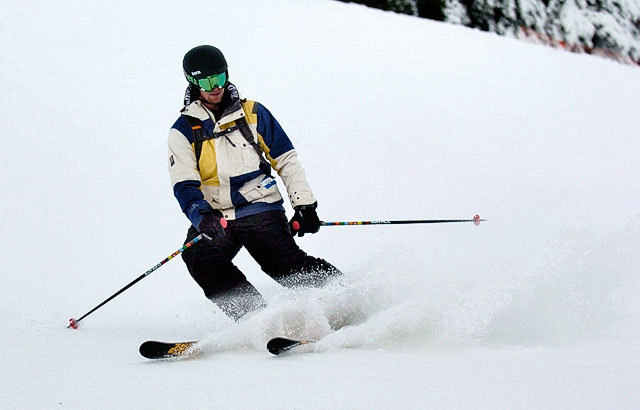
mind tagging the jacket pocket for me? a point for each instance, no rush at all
(241, 153)
(259, 189)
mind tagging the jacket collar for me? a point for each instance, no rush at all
(196, 109)
(232, 113)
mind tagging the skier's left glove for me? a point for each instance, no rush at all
(212, 222)
(305, 220)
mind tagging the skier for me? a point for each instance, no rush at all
(218, 169)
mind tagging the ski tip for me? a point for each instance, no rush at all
(160, 350)
(279, 345)
(72, 324)
(149, 349)
(146, 347)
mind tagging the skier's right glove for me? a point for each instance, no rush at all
(212, 222)
(305, 220)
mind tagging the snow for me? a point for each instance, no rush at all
(393, 118)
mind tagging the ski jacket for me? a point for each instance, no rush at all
(229, 176)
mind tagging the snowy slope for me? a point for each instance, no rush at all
(393, 118)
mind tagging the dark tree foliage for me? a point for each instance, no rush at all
(378, 4)
(399, 6)
(431, 9)
(479, 14)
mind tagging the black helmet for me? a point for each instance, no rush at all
(203, 61)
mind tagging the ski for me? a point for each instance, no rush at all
(152, 349)
(280, 345)
(161, 350)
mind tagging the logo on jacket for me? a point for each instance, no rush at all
(171, 160)
(268, 182)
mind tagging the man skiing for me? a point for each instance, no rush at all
(221, 153)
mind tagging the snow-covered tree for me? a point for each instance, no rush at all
(532, 13)
(597, 24)
(455, 12)
(590, 25)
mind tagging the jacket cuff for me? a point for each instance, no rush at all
(193, 213)
(301, 198)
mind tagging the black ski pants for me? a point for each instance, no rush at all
(267, 238)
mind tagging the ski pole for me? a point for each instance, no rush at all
(73, 323)
(476, 220)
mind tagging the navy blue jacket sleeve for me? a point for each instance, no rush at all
(272, 133)
(191, 200)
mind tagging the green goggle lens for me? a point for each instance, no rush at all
(208, 84)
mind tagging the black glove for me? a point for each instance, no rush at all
(212, 222)
(305, 220)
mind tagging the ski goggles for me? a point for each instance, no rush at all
(210, 83)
